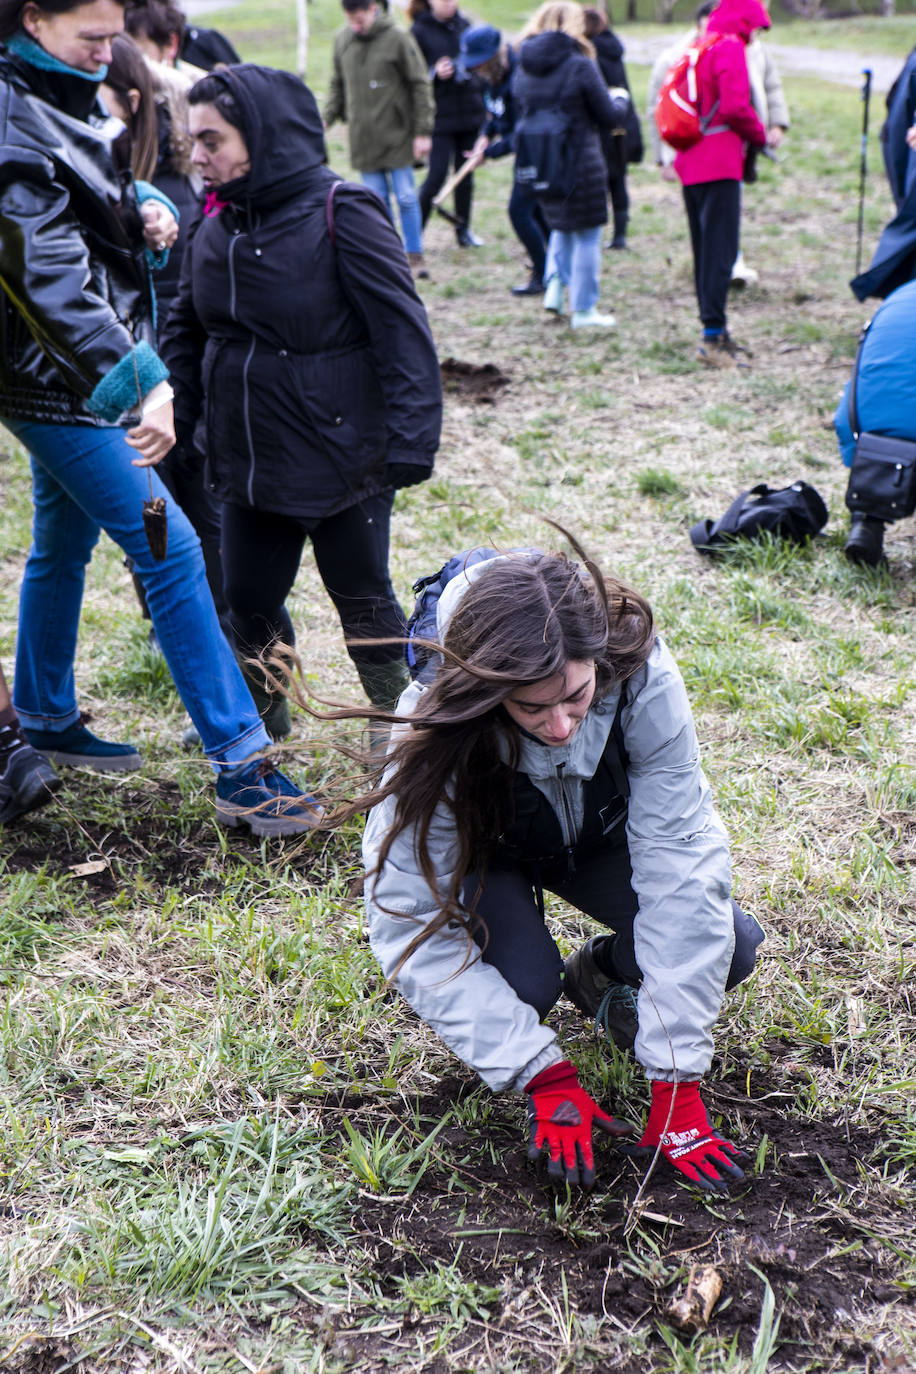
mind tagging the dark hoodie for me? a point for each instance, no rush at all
(459, 100)
(554, 72)
(319, 369)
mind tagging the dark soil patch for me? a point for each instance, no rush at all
(143, 836)
(478, 382)
(793, 1224)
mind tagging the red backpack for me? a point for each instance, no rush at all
(676, 112)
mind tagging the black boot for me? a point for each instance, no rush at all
(533, 287)
(866, 541)
(621, 220)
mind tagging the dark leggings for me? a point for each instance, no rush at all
(446, 148)
(527, 219)
(714, 217)
(261, 556)
(521, 947)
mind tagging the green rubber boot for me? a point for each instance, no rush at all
(272, 707)
(383, 683)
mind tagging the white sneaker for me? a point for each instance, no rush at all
(742, 275)
(591, 319)
(553, 295)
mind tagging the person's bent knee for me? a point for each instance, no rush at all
(540, 988)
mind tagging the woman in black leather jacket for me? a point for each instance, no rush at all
(299, 334)
(84, 391)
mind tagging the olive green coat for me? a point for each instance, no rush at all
(381, 87)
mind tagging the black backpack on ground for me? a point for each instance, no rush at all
(797, 513)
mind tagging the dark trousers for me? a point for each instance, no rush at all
(714, 216)
(261, 556)
(527, 219)
(449, 148)
(620, 196)
(521, 947)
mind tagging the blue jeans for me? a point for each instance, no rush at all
(400, 180)
(575, 258)
(83, 482)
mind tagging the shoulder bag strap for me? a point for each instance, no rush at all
(851, 409)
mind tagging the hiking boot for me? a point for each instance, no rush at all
(554, 293)
(742, 275)
(721, 351)
(190, 737)
(257, 794)
(534, 287)
(27, 780)
(78, 747)
(594, 992)
(467, 239)
(591, 319)
(418, 266)
(866, 542)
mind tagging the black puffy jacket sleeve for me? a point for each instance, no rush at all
(46, 273)
(376, 280)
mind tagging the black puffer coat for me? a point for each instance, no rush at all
(554, 72)
(75, 286)
(459, 101)
(318, 363)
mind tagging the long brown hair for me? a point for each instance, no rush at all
(127, 72)
(521, 621)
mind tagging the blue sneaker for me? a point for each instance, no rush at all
(258, 795)
(26, 781)
(80, 748)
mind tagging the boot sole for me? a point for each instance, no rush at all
(233, 817)
(99, 763)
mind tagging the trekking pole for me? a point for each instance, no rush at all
(863, 163)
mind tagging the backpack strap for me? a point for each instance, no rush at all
(851, 409)
(616, 754)
(329, 214)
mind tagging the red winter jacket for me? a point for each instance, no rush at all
(722, 75)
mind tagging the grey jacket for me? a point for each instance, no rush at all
(684, 929)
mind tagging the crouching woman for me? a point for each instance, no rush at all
(554, 750)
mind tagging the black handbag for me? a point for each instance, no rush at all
(882, 479)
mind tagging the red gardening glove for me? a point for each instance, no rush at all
(690, 1144)
(560, 1116)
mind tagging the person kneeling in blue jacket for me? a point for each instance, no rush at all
(885, 402)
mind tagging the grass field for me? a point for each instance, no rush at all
(226, 1146)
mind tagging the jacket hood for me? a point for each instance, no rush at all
(609, 44)
(282, 128)
(382, 21)
(543, 52)
(738, 17)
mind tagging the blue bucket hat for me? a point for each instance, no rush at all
(478, 45)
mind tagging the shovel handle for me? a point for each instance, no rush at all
(452, 182)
